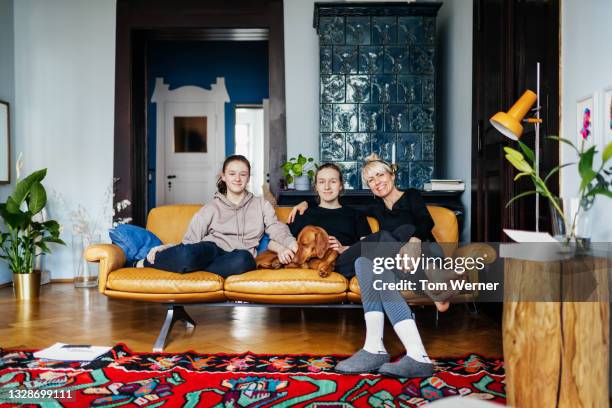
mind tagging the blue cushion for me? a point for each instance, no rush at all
(263, 244)
(134, 241)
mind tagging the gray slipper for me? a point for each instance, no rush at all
(407, 367)
(362, 362)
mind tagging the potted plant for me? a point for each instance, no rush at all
(24, 235)
(571, 217)
(299, 171)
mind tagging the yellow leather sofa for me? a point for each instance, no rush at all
(285, 286)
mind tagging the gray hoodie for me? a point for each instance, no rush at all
(240, 226)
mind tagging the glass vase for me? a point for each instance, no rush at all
(576, 223)
(85, 273)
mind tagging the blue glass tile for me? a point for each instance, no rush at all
(332, 146)
(358, 88)
(409, 89)
(428, 91)
(371, 118)
(358, 30)
(428, 146)
(428, 34)
(409, 28)
(326, 58)
(420, 173)
(345, 60)
(421, 60)
(402, 179)
(331, 30)
(384, 30)
(384, 89)
(382, 145)
(326, 118)
(351, 172)
(358, 146)
(371, 60)
(396, 60)
(332, 88)
(421, 118)
(408, 147)
(345, 118)
(396, 118)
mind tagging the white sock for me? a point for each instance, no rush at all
(409, 336)
(375, 328)
(140, 264)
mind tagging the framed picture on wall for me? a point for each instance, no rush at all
(5, 173)
(585, 121)
(607, 116)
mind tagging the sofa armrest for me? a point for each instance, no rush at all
(110, 257)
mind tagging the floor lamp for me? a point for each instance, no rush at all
(509, 124)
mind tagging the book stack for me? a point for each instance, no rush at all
(444, 185)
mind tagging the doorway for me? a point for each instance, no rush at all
(139, 26)
(251, 139)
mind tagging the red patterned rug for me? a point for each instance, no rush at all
(124, 378)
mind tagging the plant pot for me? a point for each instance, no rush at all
(302, 183)
(26, 286)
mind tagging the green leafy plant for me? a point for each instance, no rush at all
(593, 182)
(24, 234)
(298, 167)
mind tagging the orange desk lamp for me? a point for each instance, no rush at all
(510, 125)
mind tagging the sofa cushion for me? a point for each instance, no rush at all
(286, 282)
(149, 280)
(169, 222)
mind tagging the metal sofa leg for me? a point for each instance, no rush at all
(473, 309)
(174, 314)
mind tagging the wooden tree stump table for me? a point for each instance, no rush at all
(556, 332)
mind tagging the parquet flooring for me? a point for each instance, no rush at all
(84, 316)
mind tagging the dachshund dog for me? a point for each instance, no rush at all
(313, 253)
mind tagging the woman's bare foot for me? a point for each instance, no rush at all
(442, 306)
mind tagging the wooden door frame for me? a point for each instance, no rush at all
(141, 21)
(522, 38)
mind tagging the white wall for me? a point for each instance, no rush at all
(7, 94)
(301, 79)
(64, 103)
(454, 85)
(586, 58)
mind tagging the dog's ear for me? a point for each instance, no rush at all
(321, 243)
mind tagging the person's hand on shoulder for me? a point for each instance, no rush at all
(301, 208)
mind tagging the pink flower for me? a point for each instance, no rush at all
(586, 124)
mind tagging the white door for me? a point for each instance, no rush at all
(190, 140)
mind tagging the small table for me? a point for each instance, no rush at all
(556, 352)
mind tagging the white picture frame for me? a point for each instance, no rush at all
(5, 143)
(606, 114)
(582, 104)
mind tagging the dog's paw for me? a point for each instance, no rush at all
(324, 273)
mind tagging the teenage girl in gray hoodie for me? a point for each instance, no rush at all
(223, 235)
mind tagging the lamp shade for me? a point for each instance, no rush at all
(509, 123)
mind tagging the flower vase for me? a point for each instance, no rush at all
(85, 273)
(575, 226)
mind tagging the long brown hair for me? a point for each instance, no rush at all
(329, 166)
(221, 186)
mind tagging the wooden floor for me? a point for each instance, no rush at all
(69, 315)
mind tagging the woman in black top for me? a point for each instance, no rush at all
(345, 225)
(404, 223)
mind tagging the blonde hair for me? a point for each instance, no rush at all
(374, 164)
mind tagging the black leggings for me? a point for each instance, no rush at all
(203, 256)
(393, 241)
